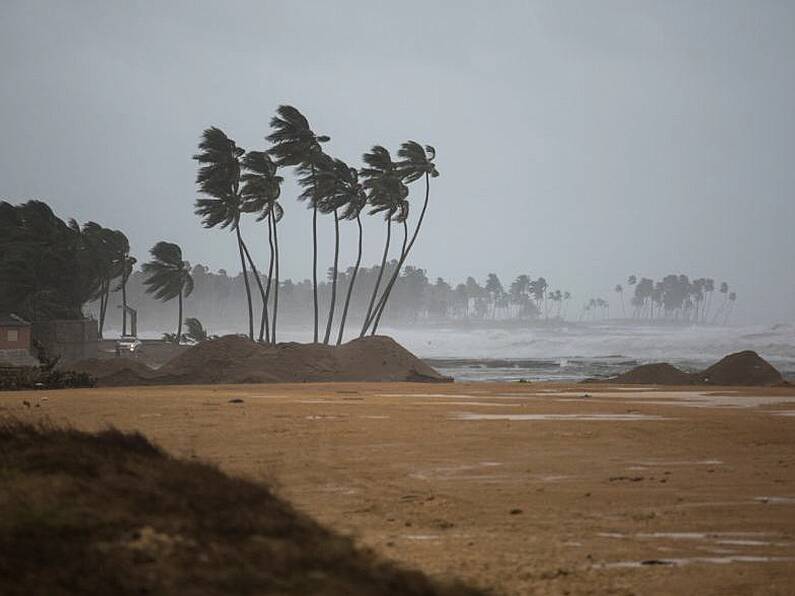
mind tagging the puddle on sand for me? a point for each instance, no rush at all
(696, 560)
(455, 472)
(320, 417)
(701, 462)
(421, 536)
(464, 403)
(776, 500)
(559, 417)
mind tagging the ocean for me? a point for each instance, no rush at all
(590, 350)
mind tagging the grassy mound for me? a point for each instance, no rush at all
(109, 513)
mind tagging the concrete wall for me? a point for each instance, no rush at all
(71, 340)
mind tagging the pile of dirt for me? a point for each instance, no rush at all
(115, 372)
(660, 373)
(745, 368)
(110, 513)
(236, 359)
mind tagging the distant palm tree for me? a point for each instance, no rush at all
(219, 179)
(260, 193)
(416, 163)
(295, 144)
(386, 194)
(168, 276)
(620, 291)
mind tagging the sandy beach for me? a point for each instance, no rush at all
(547, 489)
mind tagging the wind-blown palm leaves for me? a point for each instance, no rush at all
(109, 252)
(296, 144)
(386, 194)
(168, 276)
(219, 180)
(47, 270)
(416, 162)
(260, 191)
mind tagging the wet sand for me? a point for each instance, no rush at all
(526, 489)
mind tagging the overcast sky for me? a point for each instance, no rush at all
(582, 141)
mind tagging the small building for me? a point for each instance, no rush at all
(15, 341)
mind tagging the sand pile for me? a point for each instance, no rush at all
(660, 373)
(235, 359)
(114, 372)
(743, 368)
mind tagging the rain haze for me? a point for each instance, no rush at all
(415, 298)
(580, 141)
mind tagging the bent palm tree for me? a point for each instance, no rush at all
(295, 144)
(386, 194)
(339, 188)
(219, 179)
(260, 192)
(416, 163)
(168, 277)
(337, 184)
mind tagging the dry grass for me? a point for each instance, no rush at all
(110, 513)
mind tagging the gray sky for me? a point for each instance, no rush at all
(582, 141)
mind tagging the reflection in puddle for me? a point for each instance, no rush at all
(571, 417)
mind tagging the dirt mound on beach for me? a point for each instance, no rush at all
(745, 368)
(660, 373)
(115, 371)
(235, 359)
(111, 513)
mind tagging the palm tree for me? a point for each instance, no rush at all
(219, 179)
(295, 144)
(128, 264)
(339, 188)
(260, 192)
(386, 194)
(168, 277)
(416, 163)
(619, 289)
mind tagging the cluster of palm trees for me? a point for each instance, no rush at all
(234, 182)
(678, 297)
(50, 269)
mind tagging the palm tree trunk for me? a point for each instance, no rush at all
(124, 306)
(352, 282)
(270, 276)
(245, 281)
(264, 315)
(327, 337)
(314, 250)
(407, 249)
(388, 289)
(378, 279)
(179, 322)
(276, 280)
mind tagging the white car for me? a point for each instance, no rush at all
(128, 343)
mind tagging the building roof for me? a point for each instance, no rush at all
(12, 320)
